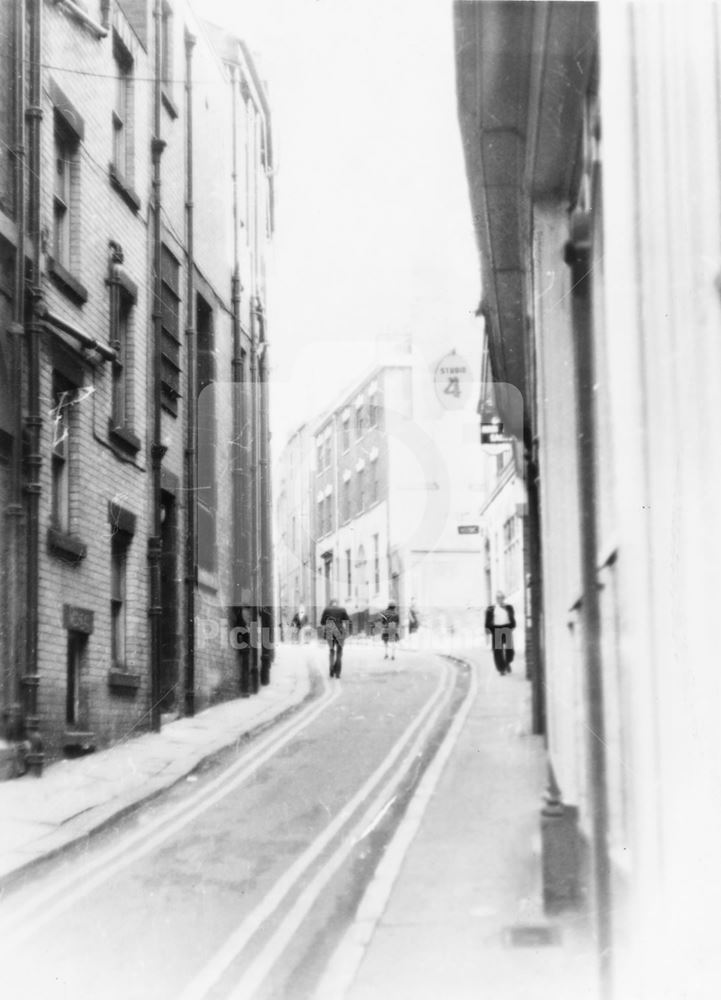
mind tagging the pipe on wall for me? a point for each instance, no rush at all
(157, 449)
(578, 255)
(191, 445)
(238, 404)
(267, 616)
(33, 422)
(14, 512)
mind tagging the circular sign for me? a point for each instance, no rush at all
(453, 380)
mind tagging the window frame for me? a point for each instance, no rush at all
(122, 112)
(64, 220)
(170, 346)
(120, 544)
(64, 397)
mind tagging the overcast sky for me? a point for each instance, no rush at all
(373, 227)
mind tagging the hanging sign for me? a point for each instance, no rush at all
(453, 380)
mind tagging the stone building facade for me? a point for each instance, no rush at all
(592, 147)
(135, 215)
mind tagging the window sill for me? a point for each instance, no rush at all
(66, 546)
(67, 283)
(124, 438)
(122, 680)
(78, 741)
(170, 105)
(117, 181)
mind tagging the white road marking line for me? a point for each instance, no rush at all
(214, 969)
(348, 956)
(23, 921)
(378, 818)
(276, 945)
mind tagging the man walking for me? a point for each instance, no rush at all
(336, 625)
(500, 622)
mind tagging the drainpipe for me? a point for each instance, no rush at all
(267, 617)
(534, 591)
(239, 454)
(253, 426)
(33, 423)
(578, 257)
(156, 448)
(191, 449)
(14, 510)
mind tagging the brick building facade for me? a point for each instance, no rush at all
(135, 212)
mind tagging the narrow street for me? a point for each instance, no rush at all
(242, 879)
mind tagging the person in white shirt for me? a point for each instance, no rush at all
(500, 622)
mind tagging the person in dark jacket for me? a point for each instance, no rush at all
(336, 626)
(390, 625)
(500, 622)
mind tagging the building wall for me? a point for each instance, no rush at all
(662, 238)
(111, 488)
(635, 214)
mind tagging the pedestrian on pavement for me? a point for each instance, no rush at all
(390, 624)
(500, 622)
(336, 626)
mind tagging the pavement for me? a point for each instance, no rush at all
(74, 799)
(459, 911)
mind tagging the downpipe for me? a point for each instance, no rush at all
(157, 450)
(35, 756)
(191, 444)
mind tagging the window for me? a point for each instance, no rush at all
(63, 398)
(345, 434)
(319, 453)
(346, 499)
(327, 450)
(121, 366)
(77, 642)
(359, 421)
(372, 412)
(118, 600)
(122, 111)
(374, 480)
(361, 489)
(166, 46)
(321, 526)
(207, 436)
(64, 200)
(376, 564)
(349, 572)
(170, 335)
